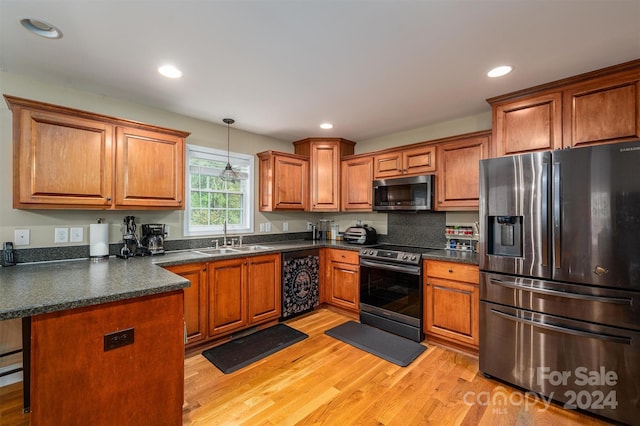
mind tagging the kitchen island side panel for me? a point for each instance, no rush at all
(115, 363)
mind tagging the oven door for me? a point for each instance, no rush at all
(391, 289)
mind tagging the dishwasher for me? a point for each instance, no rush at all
(300, 283)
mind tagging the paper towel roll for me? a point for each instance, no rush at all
(98, 240)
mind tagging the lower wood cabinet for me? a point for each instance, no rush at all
(342, 279)
(451, 303)
(118, 363)
(229, 295)
(195, 300)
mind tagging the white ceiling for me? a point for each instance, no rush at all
(281, 67)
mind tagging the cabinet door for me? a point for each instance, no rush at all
(357, 177)
(344, 290)
(284, 181)
(458, 179)
(452, 310)
(605, 110)
(325, 176)
(195, 300)
(227, 296)
(291, 177)
(61, 161)
(387, 165)
(532, 124)
(149, 169)
(418, 161)
(264, 290)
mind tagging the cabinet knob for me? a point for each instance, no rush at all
(108, 198)
(450, 271)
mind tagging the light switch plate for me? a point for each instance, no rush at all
(77, 235)
(21, 237)
(61, 235)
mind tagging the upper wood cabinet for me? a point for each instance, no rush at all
(405, 162)
(603, 110)
(357, 177)
(149, 169)
(283, 181)
(532, 124)
(71, 159)
(598, 107)
(324, 172)
(458, 177)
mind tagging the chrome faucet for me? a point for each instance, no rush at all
(224, 228)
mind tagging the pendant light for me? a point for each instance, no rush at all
(228, 173)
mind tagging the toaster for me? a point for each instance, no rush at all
(361, 234)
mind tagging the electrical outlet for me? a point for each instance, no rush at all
(309, 226)
(21, 237)
(285, 226)
(267, 227)
(77, 235)
(262, 227)
(61, 235)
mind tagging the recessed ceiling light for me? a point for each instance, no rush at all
(500, 71)
(170, 71)
(41, 28)
(326, 126)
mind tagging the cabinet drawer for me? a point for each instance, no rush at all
(344, 256)
(452, 271)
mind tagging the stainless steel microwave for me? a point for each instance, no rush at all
(413, 193)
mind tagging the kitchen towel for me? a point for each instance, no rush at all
(98, 240)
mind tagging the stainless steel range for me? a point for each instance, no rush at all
(391, 289)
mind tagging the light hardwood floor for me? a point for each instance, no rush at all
(324, 381)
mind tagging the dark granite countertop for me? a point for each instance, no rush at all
(36, 288)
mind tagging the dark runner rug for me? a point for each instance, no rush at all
(245, 350)
(388, 346)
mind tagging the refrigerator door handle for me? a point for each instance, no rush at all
(557, 219)
(561, 329)
(544, 213)
(580, 296)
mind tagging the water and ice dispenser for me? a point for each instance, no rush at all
(505, 236)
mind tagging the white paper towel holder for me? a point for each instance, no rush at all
(99, 243)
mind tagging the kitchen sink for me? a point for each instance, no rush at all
(214, 251)
(253, 248)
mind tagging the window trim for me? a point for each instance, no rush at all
(217, 230)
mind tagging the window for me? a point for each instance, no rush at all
(212, 200)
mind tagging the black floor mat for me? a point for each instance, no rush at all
(389, 346)
(245, 350)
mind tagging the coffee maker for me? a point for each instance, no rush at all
(131, 244)
(153, 235)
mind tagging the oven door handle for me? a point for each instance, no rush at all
(550, 292)
(406, 269)
(561, 329)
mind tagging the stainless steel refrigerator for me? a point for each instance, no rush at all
(560, 276)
